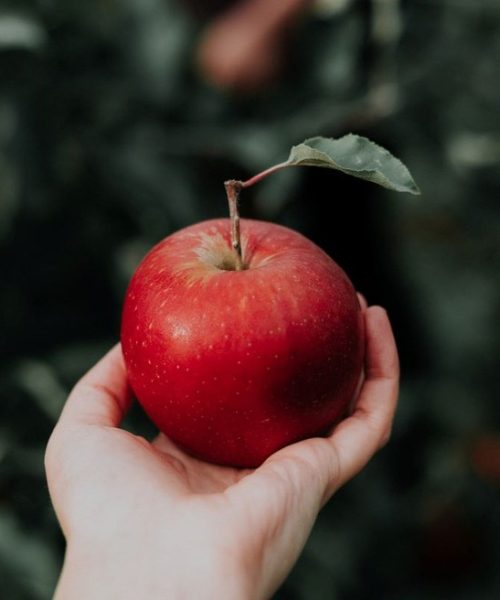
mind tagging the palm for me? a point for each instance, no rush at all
(126, 467)
(161, 461)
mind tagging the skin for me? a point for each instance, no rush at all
(144, 520)
(245, 48)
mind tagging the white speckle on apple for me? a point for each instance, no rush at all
(177, 367)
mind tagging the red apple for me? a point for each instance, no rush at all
(233, 365)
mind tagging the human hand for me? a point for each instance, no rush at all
(145, 520)
(246, 47)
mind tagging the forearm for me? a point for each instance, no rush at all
(91, 574)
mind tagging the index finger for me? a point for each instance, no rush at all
(102, 396)
(356, 439)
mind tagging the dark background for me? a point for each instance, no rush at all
(110, 140)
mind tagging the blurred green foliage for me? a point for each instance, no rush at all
(110, 140)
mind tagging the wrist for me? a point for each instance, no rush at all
(95, 571)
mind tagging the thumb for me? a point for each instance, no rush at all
(102, 396)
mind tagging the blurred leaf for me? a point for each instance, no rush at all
(20, 31)
(327, 8)
(41, 382)
(30, 561)
(472, 150)
(159, 33)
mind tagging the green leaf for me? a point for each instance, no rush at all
(357, 156)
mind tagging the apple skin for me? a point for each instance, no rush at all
(234, 365)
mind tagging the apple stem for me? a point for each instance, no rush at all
(233, 189)
(260, 176)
